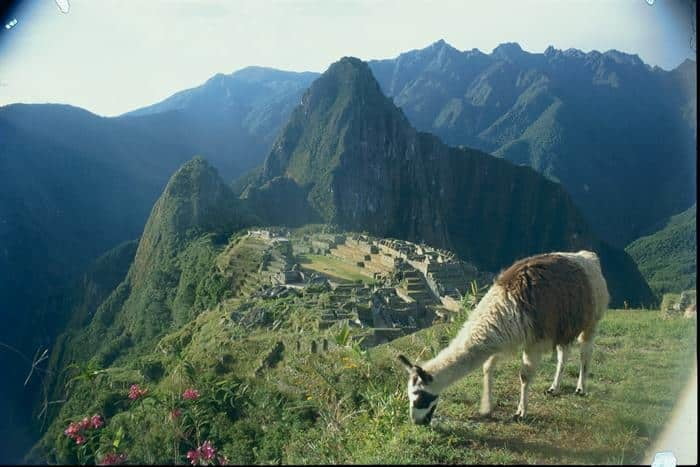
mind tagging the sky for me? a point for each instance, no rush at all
(113, 56)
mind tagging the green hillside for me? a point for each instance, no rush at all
(173, 275)
(259, 405)
(668, 258)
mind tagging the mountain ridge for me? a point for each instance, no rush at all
(573, 116)
(357, 161)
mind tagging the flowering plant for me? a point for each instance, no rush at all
(136, 392)
(77, 430)
(190, 394)
(205, 454)
(113, 458)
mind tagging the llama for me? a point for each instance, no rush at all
(538, 303)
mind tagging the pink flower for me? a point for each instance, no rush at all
(193, 456)
(96, 421)
(207, 451)
(84, 424)
(175, 413)
(135, 392)
(113, 459)
(72, 429)
(80, 439)
(190, 394)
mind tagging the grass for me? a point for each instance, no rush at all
(349, 406)
(641, 362)
(334, 268)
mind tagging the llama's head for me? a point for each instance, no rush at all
(422, 401)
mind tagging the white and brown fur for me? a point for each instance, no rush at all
(538, 303)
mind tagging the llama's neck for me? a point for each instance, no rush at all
(479, 338)
(454, 362)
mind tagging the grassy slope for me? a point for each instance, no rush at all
(639, 368)
(334, 267)
(349, 407)
(667, 258)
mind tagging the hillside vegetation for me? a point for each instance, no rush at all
(350, 406)
(668, 257)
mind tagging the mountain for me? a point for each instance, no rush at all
(668, 257)
(348, 156)
(173, 276)
(73, 184)
(166, 285)
(233, 119)
(619, 135)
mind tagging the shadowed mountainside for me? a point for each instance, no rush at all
(618, 134)
(349, 157)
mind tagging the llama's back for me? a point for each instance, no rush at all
(590, 263)
(559, 295)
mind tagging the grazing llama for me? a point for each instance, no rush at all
(538, 303)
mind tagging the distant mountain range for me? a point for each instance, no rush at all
(617, 133)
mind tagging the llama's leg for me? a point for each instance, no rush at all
(586, 340)
(562, 354)
(487, 395)
(531, 358)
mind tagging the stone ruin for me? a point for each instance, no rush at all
(684, 304)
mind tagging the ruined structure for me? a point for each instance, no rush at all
(407, 286)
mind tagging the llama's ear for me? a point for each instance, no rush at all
(422, 374)
(405, 362)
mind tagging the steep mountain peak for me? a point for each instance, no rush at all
(340, 102)
(349, 67)
(349, 80)
(571, 53)
(441, 45)
(623, 58)
(508, 50)
(195, 200)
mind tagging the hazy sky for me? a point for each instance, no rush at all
(111, 56)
